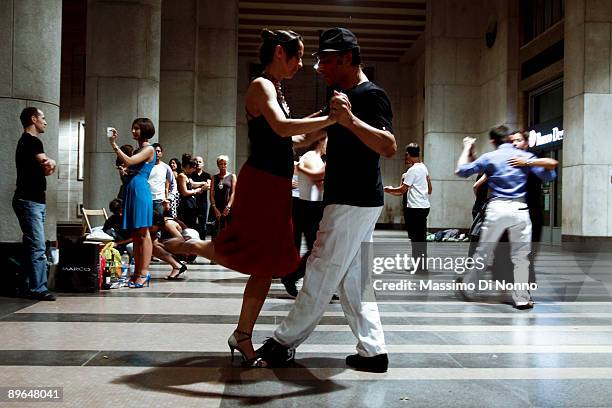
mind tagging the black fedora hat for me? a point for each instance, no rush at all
(337, 40)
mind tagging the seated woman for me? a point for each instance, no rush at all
(165, 228)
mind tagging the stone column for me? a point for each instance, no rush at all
(469, 88)
(30, 38)
(452, 103)
(216, 90)
(199, 81)
(587, 92)
(122, 83)
(178, 77)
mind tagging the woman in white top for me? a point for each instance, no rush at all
(308, 208)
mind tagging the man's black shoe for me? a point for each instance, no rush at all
(45, 296)
(290, 286)
(462, 294)
(275, 354)
(526, 306)
(375, 364)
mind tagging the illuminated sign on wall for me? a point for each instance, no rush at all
(538, 139)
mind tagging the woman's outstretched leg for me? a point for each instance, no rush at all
(192, 246)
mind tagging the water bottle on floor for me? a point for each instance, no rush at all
(125, 265)
(132, 267)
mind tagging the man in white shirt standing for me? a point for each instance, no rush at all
(416, 184)
(161, 182)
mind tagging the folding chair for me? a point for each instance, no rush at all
(90, 213)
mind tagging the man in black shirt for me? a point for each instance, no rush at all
(200, 178)
(353, 201)
(29, 199)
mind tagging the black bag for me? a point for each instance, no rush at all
(12, 258)
(79, 267)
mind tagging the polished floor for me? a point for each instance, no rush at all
(166, 345)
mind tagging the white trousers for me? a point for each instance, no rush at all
(502, 215)
(335, 265)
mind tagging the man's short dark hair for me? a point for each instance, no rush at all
(499, 134)
(26, 115)
(116, 206)
(156, 145)
(413, 150)
(355, 56)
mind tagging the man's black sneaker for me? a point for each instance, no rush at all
(526, 306)
(275, 354)
(289, 284)
(45, 296)
(460, 293)
(375, 364)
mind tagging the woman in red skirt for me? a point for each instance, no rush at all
(259, 239)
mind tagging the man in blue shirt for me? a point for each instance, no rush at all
(507, 209)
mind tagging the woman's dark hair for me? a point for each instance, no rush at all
(116, 206)
(188, 161)
(128, 150)
(147, 129)
(178, 164)
(289, 40)
(158, 220)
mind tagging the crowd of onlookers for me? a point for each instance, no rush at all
(184, 199)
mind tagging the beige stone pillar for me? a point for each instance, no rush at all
(469, 88)
(587, 92)
(178, 77)
(452, 103)
(122, 83)
(199, 79)
(30, 45)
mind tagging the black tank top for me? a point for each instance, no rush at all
(269, 151)
(222, 188)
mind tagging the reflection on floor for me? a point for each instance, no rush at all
(167, 345)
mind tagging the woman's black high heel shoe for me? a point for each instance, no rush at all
(180, 272)
(233, 343)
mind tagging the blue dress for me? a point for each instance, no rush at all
(137, 199)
